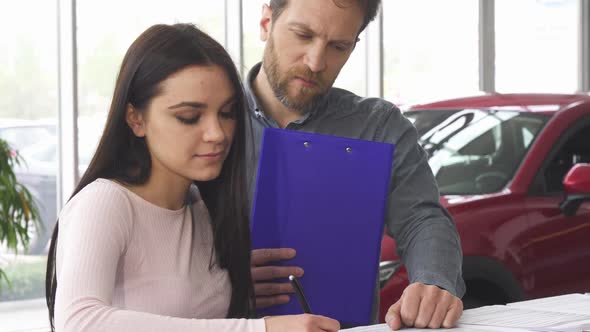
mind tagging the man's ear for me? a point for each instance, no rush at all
(265, 22)
(135, 121)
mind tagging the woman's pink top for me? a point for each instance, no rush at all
(125, 264)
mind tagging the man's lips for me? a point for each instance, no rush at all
(306, 82)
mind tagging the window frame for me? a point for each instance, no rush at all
(538, 187)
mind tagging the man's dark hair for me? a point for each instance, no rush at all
(371, 7)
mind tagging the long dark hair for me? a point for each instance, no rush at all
(156, 54)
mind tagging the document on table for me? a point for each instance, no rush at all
(570, 303)
(536, 320)
(385, 328)
(565, 313)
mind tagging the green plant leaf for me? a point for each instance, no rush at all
(4, 277)
(18, 207)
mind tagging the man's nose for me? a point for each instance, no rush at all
(315, 57)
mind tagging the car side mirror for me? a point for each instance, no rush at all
(577, 189)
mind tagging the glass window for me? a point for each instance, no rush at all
(426, 120)
(427, 54)
(527, 136)
(253, 46)
(477, 151)
(536, 45)
(352, 77)
(254, 49)
(101, 48)
(20, 135)
(575, 150)
(28, 120)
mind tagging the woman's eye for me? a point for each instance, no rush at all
(187, 121)
(231, 114)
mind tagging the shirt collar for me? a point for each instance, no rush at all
(253, 104)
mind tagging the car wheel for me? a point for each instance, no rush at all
(482, 293)
(470, 302)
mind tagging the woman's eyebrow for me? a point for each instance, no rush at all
(200, 105)
(194, 104)
(229, 100)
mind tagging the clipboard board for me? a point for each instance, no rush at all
(324, 196)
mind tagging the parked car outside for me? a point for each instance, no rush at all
(501, 162)
(36, 142)
(37, 174)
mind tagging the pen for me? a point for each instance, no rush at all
(299, 294)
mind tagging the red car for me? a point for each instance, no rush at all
(513, 170)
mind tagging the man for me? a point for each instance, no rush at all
(307, 43)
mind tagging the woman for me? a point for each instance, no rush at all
(139, 247)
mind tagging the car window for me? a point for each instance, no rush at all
(477, 151)
(426, 120)
(574, 150)
(527, 136)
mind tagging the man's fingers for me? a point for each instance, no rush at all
(454, 313)
(409, 309)
(393, 316)
(425, 310)
(269, 301)
(423, 306)
(265, 256)
(272, 288)
(271, 272)
(438, 316)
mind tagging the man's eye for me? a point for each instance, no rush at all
(303, 36)
(341, 48)
(188, 121)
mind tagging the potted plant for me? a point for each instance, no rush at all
(18, 210)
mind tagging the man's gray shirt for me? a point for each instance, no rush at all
(425, 235)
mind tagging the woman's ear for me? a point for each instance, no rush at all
(135, 121)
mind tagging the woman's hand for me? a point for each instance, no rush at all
(301, 323)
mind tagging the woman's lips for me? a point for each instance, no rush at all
(210, 156)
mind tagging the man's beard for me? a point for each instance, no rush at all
(307, 98)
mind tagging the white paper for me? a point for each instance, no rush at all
(571, 303)
(385, 328)
(565, 313)
(572, 327)
(513, 316)
(369, 328)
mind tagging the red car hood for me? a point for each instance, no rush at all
(450, 201)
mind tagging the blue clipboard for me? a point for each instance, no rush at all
(324, 196)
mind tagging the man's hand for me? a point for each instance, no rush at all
(424, 306)
(272, 293)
